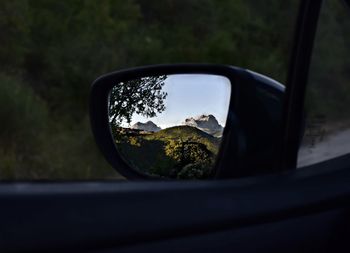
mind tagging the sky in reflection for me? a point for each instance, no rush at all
(192, 95)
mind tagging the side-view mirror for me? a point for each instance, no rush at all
(187, 121)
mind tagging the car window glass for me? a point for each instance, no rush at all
(327, 104)
(51, 51)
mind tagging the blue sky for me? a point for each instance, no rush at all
(192, 95)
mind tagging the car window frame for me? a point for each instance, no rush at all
(346, 6)
(297, 79)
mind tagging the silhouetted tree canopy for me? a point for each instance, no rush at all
(143, 96)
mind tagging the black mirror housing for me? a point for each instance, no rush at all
(253, 118)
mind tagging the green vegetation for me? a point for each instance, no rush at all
(51, 51)
(33, 146)
(178, 152)
(328, 94)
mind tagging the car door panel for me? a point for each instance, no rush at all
(302, 234)
(308, 204)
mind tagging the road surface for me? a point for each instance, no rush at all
(332, 145)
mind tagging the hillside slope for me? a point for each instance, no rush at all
(158, 153)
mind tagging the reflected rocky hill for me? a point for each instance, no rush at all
(185, 151)
(149, 126)
(206, 123)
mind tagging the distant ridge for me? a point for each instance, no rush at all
(149, 126)
(206, 123)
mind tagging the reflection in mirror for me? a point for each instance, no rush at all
(170, 126)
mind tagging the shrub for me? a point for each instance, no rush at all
(24, 119)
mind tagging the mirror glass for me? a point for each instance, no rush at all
(170, 126)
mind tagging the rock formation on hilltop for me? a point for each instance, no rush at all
(149, 126)
(206, 123)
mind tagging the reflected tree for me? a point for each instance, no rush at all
(143, 96)
(194, 159)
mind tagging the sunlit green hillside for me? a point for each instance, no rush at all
(169, 151)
